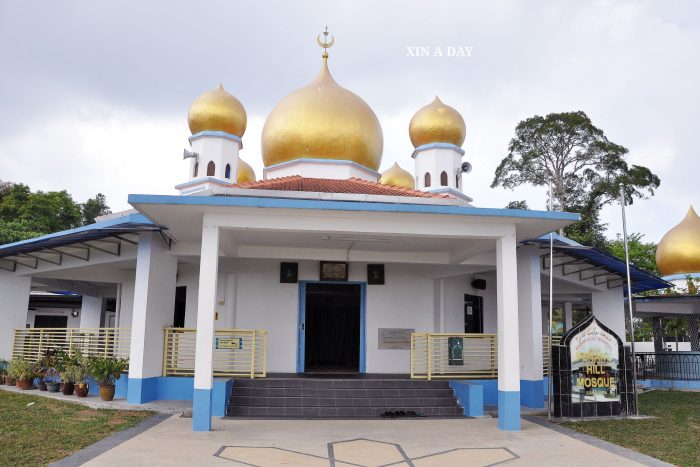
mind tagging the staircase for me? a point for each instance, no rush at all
(281, 397)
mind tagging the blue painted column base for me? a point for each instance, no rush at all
(531, 393)
(509, 410)
(201, 410)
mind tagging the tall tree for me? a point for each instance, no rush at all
(95, 207)
(583, 166)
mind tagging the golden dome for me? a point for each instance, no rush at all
(437, 123)
(397, 176)
(322, 121)
(217, 110)
(678, 251)
(245, 172)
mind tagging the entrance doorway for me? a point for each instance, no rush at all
(50, 321)
(473, 314)
(331, 328)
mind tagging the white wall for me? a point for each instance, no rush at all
(90, 312)
(14, 292)
(609, 308)
(407, 300)
(649, 346)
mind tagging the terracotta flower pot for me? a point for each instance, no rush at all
(67, 389)
(53, 387)
(107, 393)
(10, 381)
(81, 390)
(25, 384)
(41, 385)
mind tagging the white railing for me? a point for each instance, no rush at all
(237, 352)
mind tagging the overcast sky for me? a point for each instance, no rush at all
(94, 95)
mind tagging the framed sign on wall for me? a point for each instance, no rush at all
(334, 271)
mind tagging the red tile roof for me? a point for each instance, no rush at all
(325, 185)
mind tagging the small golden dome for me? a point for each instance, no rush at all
(245, 172)
(322, 121)
(217, 110)
(437, 123)
(678, 251)
(397, 176)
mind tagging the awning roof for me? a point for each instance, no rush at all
(603, 268)
(106, 236)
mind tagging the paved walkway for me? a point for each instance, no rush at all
(420, 443)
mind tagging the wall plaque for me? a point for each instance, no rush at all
(334, 271)
(234, 343)
(395, 338)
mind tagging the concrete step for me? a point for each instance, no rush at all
(331, 383)
(237, 401)
(334, 393)
(339, 412)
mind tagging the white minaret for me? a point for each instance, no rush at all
(437, 132)
(217, 121)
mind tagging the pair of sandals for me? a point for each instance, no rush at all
(399, 413)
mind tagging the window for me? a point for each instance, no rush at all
(457, 180)
(196, 169)
(443, 178)
(211, 167)
(427, 179)
(227, 173)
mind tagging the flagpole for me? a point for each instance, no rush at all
(629, 299)
(551, 310)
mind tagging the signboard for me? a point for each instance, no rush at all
(395, 338)
(595, 360)
(234, 343)
(455, 346)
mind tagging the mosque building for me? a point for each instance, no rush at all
(323, 273)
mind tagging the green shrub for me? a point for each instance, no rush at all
(106, 370)
(21, 369)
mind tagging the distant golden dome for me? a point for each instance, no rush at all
(437, 123)
(322, 121)
(217, 110)
(245, 172)
(397, 176)
(678, 251)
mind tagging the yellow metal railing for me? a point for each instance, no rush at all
(545, 352)
(457, 356)
(33, 342)
(237, 352)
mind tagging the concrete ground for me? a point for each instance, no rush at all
(414, 442)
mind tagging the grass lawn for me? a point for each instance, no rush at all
(672, 437)
(50, 430)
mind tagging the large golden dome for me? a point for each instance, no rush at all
(245, 172)
(437, 123)
(217, 110)
(397, 176)
(678, 251)
(322, 121)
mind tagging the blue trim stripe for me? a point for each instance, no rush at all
(531, 393)
(217, 134)
(111, 223)
(201, 410)
(142, 390)
(330, 205)
(509, 410)
(425, 147)
(322, 161)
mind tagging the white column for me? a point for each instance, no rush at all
(90, 311)
(154, 302)
(530, 327)
(609, 307)
(206, 307)
(568, 315)
(14, 291)
(508, 342)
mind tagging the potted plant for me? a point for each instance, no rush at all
(106, 370)
(80, 368)
(3, 370)
(68, 380)
(23, 371)
(41, 370)
(9, 377)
